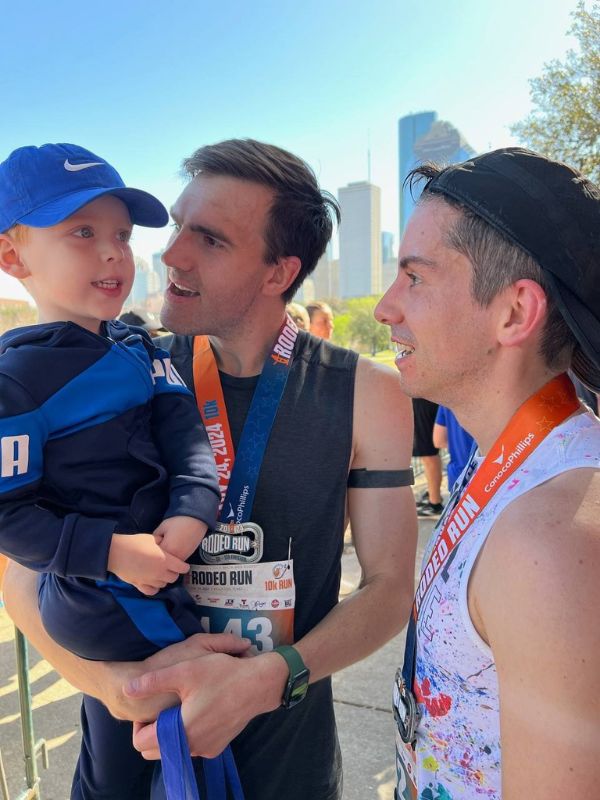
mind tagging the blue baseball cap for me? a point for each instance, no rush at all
(42, 186)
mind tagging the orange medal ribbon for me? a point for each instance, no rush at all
(212, 409)
(526, 430)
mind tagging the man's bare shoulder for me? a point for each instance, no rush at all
(381, 383)
(542, 558)
(383, 423)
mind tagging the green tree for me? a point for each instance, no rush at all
(363, 329)
(341, 333)
(565, 122)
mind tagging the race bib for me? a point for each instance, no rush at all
(255, 601)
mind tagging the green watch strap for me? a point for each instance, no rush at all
(292, 658)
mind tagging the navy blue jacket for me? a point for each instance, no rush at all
(98, 435)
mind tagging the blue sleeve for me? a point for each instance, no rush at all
(440, 417)
(181, 438)
(72, 545)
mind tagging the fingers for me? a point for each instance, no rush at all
(155, 682)
(219, 643)
(146, 589)
(145, 740)
(175, 564)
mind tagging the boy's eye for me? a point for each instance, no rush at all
(125, 236)
(85, 232)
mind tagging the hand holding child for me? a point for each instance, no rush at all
(138, 559)
(180, 536)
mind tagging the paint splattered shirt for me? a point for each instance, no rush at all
(458, 740)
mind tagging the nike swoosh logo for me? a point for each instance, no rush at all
(76, 167)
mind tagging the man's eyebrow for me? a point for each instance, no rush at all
(216, 234)
(197, 228)
(423, 262)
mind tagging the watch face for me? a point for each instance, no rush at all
(296, 689)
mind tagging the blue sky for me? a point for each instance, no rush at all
(144, 84)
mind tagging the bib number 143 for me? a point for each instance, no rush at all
(257, 629)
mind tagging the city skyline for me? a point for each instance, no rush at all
(360, 239)
(326, 81)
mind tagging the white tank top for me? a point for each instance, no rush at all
(458, 740)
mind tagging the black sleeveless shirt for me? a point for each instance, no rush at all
(301, 495)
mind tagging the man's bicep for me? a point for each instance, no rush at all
(383, 420)
(383, 520)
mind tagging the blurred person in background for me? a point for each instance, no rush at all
(321, 319)
(300, 315)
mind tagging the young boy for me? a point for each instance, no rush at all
(107, 479)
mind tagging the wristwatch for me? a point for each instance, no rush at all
(297, 682)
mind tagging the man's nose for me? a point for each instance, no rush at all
(174, 253)
(387, 310)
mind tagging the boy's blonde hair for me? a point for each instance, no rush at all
(18, 233)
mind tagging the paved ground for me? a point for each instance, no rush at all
(362, 703)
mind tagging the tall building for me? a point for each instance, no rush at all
(323, 277)
(360, 239)
(140, 289)
(159, 268)
(422, 137)
(387, 246)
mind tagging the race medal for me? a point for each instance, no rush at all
(232, 543)
(235, 590)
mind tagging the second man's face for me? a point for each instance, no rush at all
(443, 336)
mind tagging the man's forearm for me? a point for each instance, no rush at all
(92, 677)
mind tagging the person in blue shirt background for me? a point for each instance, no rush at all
(448, 433)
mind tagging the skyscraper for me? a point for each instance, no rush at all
(360, 239)
(422, 137)
(387, 246)
(323, 277)
(160, 269)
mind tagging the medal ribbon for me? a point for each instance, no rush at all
(526, 430)
(238, 474)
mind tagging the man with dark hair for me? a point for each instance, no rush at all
(249, 226)
(497, 296)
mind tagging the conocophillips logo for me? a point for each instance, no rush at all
(516, 454)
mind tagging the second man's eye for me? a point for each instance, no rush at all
(211, 241)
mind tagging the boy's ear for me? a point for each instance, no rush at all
(10, 259)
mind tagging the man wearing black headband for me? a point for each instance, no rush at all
(497, 296)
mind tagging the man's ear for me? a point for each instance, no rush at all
(524, 312)
(10, 259)
(281, 275)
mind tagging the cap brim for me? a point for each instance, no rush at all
(144, 208)
(585, 327)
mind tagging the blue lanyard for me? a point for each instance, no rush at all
(178, 774)
(239, 499)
